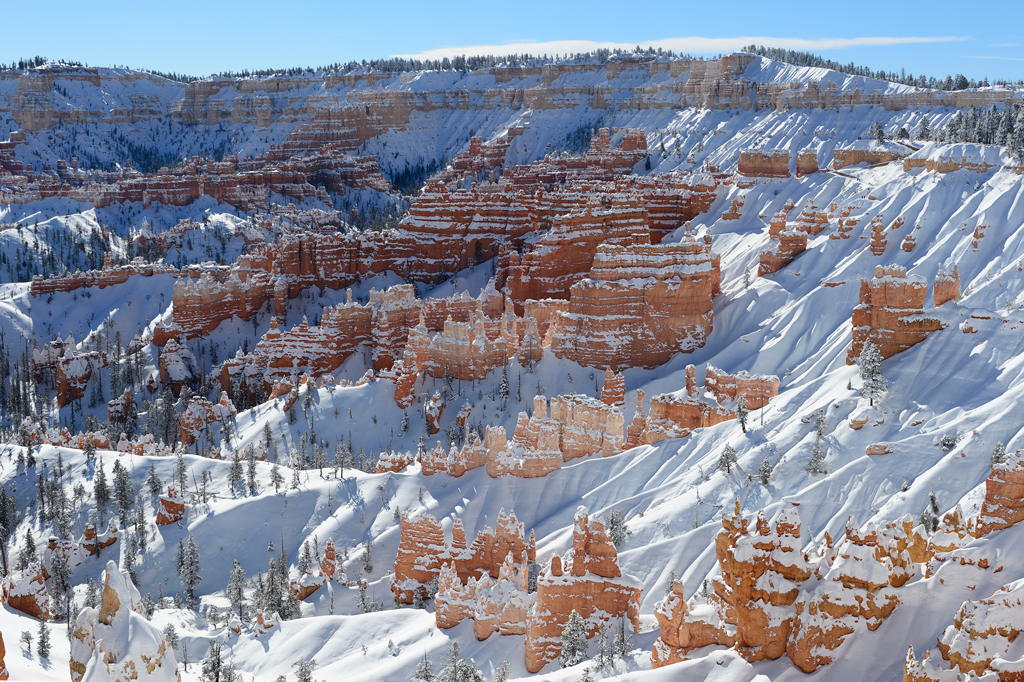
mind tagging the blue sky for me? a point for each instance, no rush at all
(977, 38)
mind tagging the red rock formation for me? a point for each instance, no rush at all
(172, 508)
(28, 593)
(784, 245)
(890, 313)
(636, 430)
(806, 162)
(4, 675)
(760, 605)
(593, 587)
(433, 411)
(201, 413)
(423, 552)
(1004, 496)
(947, 284)
(676, 415)
(177, 366)
(978, 642)
(117, 409)
(613, 392)
(759, 164)
(841, 158)
(640, 305)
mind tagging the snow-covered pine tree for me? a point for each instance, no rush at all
(574, 642)
(930, 516)
(305, 558)
(503, 389)
(275, 478)
(617, 530)
(27, 555)
(212, 664)
(250, 470)
(236, 588)
(925, 132)
(424, 670)
(236, 475)
(456, 669)
(367, 557)
(189, 572)
(817, 464)
(153, 482)
(180, 471)
(873, 384)
(304, 670)
(998, 454)
(741, 413)
(764, 472)
(131, 550)
(101, 492)
(726, 459)
(60, 582)
(503, 672)
(43, 640)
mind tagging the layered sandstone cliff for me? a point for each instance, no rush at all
(640, 305)
(890, 313)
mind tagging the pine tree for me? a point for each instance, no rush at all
(27, 555)
(305, 558)
(741, 413)
(128, 563)
(503, 388)
(180, 472)
(622, 644)
(124, 496)
(276, 478)
(456, 669)
(877, 131)
(998, 454)
(91, 594)
(726, 459)
(43, 642)
(303, 668)
(100, 489)
(873, 384)
(574, 642)
(171, 635)
(60, 582)
(617, 530)
(367, 557)
(503, 672)
(212, 664)
(236, 586)
(817, 464)
(268, 442)
(424, 670)
(930, 516)
(189, 571)
(236, 475)
(925, 132)
(764, 472)
(153, 481)
(250, 470)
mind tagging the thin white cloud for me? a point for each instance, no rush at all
(692, 45)
(1003, 45)
(1002, 59)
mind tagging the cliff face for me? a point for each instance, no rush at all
(590, 584)
(764, 603)
(890, 313)
(1004, 496)
(424, 553)
(640, 305)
